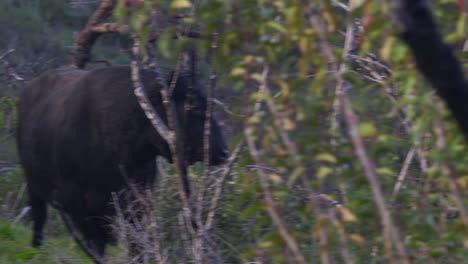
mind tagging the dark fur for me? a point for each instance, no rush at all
(78, 129)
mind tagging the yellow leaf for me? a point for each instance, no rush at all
(356, 4)
(265, 244)
(181, 4)
(288, 124)
(276, 178)
(347, 215)
(357, 238)
(463, 181)
(285, 90)
(253, 119)
(331, 25)
(257, 77)
(248, 58)
(238, 71)
(386, 49)
(323, 172)
(304, 44)
(326, 157)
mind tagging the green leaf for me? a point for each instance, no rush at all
(164, 44)
(367, 129)
(295, 174)
(385, 171)
(277, 26)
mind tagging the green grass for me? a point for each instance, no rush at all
(15, 247)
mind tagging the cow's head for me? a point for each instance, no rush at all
(191, 104)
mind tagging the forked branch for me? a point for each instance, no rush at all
(86, 39)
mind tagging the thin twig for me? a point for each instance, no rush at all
(447, 169)
(219, 184)
(110, 28)
(268, 198)
(343, 105)
(6, 53)
(403, 172)
(345, 253)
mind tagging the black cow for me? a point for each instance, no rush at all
(78, 129)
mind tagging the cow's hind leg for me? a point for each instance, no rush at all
(95, 252)
(39, 216)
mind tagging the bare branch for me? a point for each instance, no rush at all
(403, 172)
(6, 53)
(219, 184)
(206, 132)
(110, 28)
(268, 198)
(23, 212)
(85, 40)
(447, 169)
(343, 105)
(143, 100)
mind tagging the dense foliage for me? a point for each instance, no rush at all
(333, 115)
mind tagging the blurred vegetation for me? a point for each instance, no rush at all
(319, 187)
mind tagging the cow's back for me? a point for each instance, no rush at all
(39, 105)
(77, 127)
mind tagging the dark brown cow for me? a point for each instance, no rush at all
(77, 131)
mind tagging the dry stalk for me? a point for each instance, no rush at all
(290, 241)
(292, 151)
(447, 169)
(343, 105)
(206, 139)
(219, 185)
(403, 172)
(268, 198)
(344, 245)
